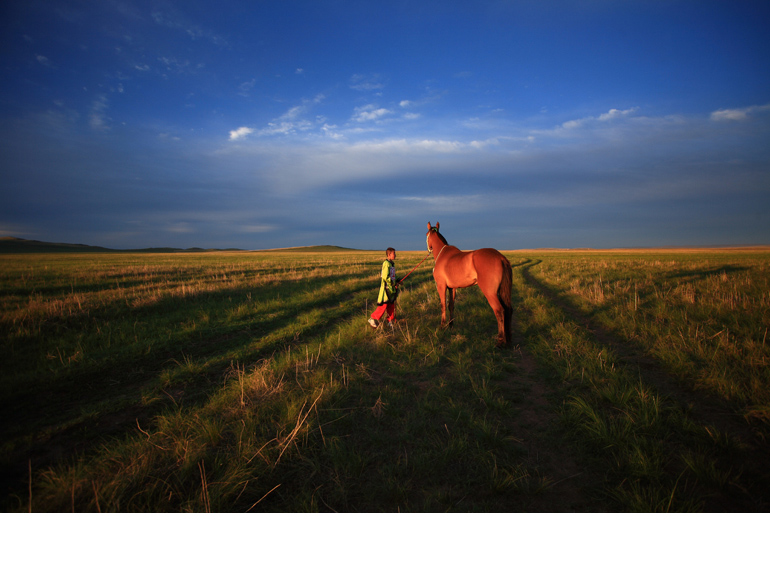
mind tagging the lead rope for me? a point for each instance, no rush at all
(415, 267)
(439, 252)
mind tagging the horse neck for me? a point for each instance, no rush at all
(437, 246)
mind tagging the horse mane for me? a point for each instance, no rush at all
(441, 236)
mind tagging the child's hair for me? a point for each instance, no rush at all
(389, 250)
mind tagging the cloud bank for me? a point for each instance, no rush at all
(619, 172)
(132, 125)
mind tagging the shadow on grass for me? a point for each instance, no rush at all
(70, 414)
(431, 421)
(751, 461)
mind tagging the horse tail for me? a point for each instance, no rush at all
(504, 294)
(506, 284)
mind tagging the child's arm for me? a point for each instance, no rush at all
(386, 278)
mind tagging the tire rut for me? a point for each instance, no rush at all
(753, 459)
(571, 479)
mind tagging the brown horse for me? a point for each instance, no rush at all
(487, 268)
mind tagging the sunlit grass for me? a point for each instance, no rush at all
(237, 382)
(651, 311)
(705, 316)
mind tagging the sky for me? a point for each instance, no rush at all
(270, 124)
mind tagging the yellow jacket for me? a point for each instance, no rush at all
(387, 283)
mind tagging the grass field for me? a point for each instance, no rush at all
(234, 382)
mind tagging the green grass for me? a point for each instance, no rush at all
(251, 382)
(671, 418)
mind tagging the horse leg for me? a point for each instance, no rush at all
(452, 293)
(442, 289)
(503, 320)
(508, 320)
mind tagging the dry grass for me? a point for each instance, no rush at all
(236, 382)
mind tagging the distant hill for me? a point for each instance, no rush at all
(11, 245)
(311, 249)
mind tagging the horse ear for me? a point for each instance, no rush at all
(436, 226)
(429, 226)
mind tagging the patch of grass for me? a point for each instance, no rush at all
(252, 382)
(626, 396)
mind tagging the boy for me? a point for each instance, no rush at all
(386, 300)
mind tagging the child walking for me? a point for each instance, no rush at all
(386, 300)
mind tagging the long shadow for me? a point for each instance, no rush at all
(403, 449)
(189, 346)
(166, 306)
(643, 294)
(110, 375)
(634, 354)
(425, 397)
(34, 412)
(701, 407)
(706, 273)
(677, 275)
(53, 286)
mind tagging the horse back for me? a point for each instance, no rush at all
(488, 256)
(490, 263)
(455, 268)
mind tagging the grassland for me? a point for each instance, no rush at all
(234, 382)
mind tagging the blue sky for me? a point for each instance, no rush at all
(517, 124)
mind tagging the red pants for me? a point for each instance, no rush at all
(380, 310)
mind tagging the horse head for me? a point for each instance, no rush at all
(433, 230)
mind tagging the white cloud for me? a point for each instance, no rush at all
(603, 156)
(417, 146)
(328, 160)
(291, 121)
(739, 114)
(366, 82)
(329, 131)
(293, 113)
(369, 113)
(240, 133)
(98, 117)
(405, 103)
(729, 115)
(447, 203)
(484, 143)
(172, 19)
(616, 113)
(177, 66)
(574, 124)
(612, 114)
(285, 127)
(180, 228)
(257, 228)
(245, 88)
